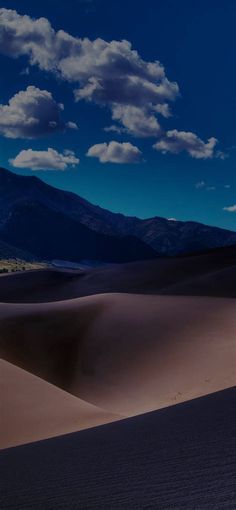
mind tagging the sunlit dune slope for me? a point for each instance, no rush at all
(32, 409)
(125, 353)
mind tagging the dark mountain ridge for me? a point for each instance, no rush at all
(50, 234)
(64, 218)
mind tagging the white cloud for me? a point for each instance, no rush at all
(109, 73)
(124, 87)
(115, 152)
(72, 125)
(203, 185)
(230, 208)
(114, 129)
(31, 113)
(200, 185)
(178, 141)
(163, 109)
(222, 155)
(45, 160)
(25, 72)
(136, 120)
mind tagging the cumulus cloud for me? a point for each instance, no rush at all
(111, 73)
(178, 141)
(115, 152)
(137, 121)
(45, 160)
(230, 208)
(163, 109)
(31, 113)
(108, 73)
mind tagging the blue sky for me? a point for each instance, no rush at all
(196, 43)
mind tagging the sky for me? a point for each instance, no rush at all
(131, 105)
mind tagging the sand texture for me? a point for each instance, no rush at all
(125, 353)
(182, 457)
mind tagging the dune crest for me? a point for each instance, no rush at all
(32, 409)
(125, 353)
(182, 457)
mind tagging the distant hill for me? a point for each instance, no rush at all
(50, 234)
(50, 223)
(34, 218)
(11, 252)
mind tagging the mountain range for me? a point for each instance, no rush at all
(40, 221)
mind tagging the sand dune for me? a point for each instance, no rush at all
(39, 285)
(32, 409)
(125, 353)
(218, 283)
(210, 274)
(182, 457)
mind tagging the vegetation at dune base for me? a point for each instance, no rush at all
(12, 265)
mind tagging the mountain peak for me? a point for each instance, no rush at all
(159, 235)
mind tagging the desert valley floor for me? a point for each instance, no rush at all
(118, 385)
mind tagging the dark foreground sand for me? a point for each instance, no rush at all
(125, 353)
(32, 409)
(182, 457)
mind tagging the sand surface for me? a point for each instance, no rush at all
(74, 358)
(212, 274)
(143, 347)
(32, 409)
(125, 353)
(182, 457)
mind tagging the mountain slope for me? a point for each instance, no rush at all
(11, 252)
(50, 234)
(164, 236)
